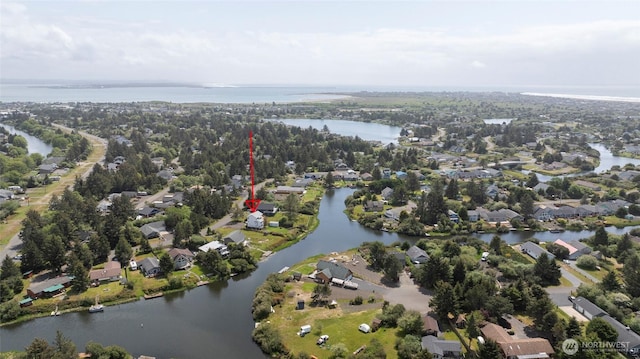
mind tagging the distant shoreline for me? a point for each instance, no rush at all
(584, 97)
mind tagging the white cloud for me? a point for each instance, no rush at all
(81, 47)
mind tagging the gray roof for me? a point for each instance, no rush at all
(40, 286)
(153, 227)
(439, 347)
(535, 250)
(417, 253)
(589, 307)
(337, 271)
(149, 264)
(235, 237)
(625, 335)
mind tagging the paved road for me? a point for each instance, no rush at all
(15, 243)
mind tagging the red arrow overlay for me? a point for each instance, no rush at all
(252, 203)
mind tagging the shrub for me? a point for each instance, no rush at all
(587, 262)
(356, 301)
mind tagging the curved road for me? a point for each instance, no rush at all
(97, 155)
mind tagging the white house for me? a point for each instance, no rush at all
(255, 220)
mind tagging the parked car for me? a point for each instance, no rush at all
(365, 328)
(323, 339)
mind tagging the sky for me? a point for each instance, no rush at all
(349, 42)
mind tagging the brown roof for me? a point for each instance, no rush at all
(495, 333)
(513, 347)
(111, 269)
(430, 324)
(529, 346)
(174, 252)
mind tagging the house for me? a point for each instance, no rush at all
(610, 207)
(147, 212)
(441, 348)
(149, 266)
(236, 237)
(541, 188)
(47, 169)
(326, 271)
(565, 212)
(544, 212)
(366, 176)
(268, 209)
(417, 255)
(153, 229)
(6, 194)
(430, 325)
(534, 251)
(302, 182)
(373, 206)
(182, 258)
(110, 273)
(166, 175)
(255, 220)
(49, 288)
(576, 248)
(453, 216)
(589, 185)
(289, 190)
(216, 246)
(474, 216)
(386, 193)
(386, 173)
(587, 308)
(492, 191)
(625, 335)
(530, 348)
(401, 174)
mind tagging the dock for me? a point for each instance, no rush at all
(155, 295)
(284, 269)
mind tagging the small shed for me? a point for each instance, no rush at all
(375, 324)
(300, 305)
(297, 276)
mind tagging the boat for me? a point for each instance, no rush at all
(56, 312)
(97, 307)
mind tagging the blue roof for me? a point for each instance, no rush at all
(53, 288)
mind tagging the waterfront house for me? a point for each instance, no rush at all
(386, 193)
(110, 273)
(236, 237)
(534, 251)
(373, 206)
(576, 248)
(182, 258)
(150, 266)
(417, 255)
(216, 246)
(326, 271)
(625, 335)
(453, 216)
(255, 220)
(49, 288)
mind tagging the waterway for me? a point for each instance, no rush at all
(365, 130)
(34, 144)
(215, 320)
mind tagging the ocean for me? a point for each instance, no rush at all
(189, 93)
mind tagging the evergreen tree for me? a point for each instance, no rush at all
(145, 247)
(610, 282)
(631, 273)
(489, 350)
(444, 300)
(452, 189)
(601, 238)
(547, 270)
(166, 264)
(526, 206)
(8, 268)
(329, 181)
(54, 252)
(412, 182)
(496, 245)
(80, 281)
(123, 252)
(459, 272)
(435, 203)
(573, 329)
